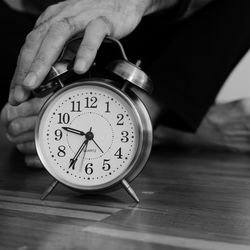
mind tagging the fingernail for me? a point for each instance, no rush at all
(30, 80)
(18, 94)
(80, 66)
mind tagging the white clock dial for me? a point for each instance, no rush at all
(88, 136)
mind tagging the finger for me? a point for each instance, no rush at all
(26, 137)
(27, 148)
(33, 161)
(50, 49)
(29, 50)
(21, 125)
(95, 32)
(5, 114)
(29, 108)
(50, 13)
(33, 42)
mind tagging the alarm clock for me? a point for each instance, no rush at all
(94, 134)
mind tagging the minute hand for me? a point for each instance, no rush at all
(72, 162)
(73, 130)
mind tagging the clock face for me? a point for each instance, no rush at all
(88, 135)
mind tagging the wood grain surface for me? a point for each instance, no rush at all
(189, 200)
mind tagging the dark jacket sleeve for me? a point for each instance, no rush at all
(199, 54)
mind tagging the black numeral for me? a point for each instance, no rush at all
(120, 118)
(63, 118)
(118, 153)
(107, 107)
(61, 151)
(124, 136)
(91, 102)
(88, 169)
(106, 166)
(58, 134)
(76, 106)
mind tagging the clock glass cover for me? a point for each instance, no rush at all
(88, 135)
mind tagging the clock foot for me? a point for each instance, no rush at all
(49, 189)
(130, 191)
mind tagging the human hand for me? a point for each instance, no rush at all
(226, 127)
(20, 123)
(43, 45)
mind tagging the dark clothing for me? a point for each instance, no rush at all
(202, 53)
(14, 27)
(190, 60)
(187, 60)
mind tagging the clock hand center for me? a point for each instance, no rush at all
(90, 136)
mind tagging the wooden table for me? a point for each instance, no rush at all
(189, 200)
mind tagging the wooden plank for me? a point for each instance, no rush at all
(68, 213)
(10, 196)
(166, 240)
(189, 200)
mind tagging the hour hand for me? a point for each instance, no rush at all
(73, 130)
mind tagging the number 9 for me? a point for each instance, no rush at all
(58, 134)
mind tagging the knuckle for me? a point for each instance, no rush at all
(21, 125)
(244, 106)
(44, 16)
(62, 26)
(35, 105)
(40, 20)
(108, 23)
(33, 37)
(14, 128)
(26, 147)
(40, 59)
(10, 138)
(50, 9)
(24, 52)
(38, 63)
(88, 47)
(24, 55)
(69, 22)
(21, 147)
(8, 113)
(33, 161)
(4, 115)
(25, 108)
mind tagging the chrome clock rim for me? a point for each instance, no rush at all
(144, 128)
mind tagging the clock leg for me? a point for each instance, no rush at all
(49, 189)
(130, 191)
